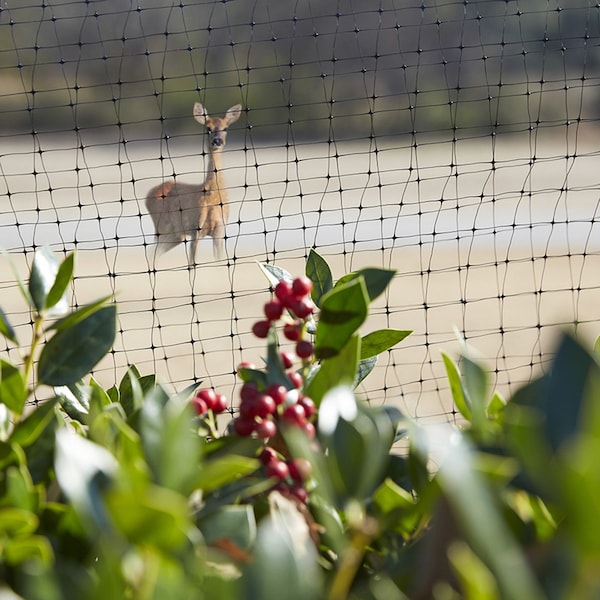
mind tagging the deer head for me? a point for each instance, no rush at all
(217, 126)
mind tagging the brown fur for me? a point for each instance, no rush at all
(183, 211)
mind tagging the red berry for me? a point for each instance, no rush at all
(277, 392)
(265, 406)
(220, 404)
(249, 391)
(291, 331)
(309, 429)
(268, 455)
(308, 405)
(283, 290)
(248, 409)
(299, 492)
(301, 307)
(287, 359)
(277, 469)
(261, 329)
(246, 365)
(294, 415)
(301, 286)
(295, 378)
(266, 429)
(199, 405)
(243, 427)
(300, 469)
(304, 349)
(273, 310)
(208, 395)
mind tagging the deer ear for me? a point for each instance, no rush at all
(233, 114)
(200, 113)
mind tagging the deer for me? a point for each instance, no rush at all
(186, 211)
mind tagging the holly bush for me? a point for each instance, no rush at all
(308, 491)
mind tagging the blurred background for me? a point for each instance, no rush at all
(452, 141)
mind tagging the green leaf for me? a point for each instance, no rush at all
(456, 387)
(274, 274)
(381, 340)
(20, 283)
(172, 448)
(17, 522)
(236, 524)
(475, 578)
(154, 517)
(343, 310)
(340, 369)
(42, 277)
(6, 329)
(79, 315)
(75, 400)
(365, 366)
(20, 550)
(475, 389)
(565, 391)
(57, 294)
(27, 431)
(376, 280)
(71, 353)
(284, 557)
(13, 388)
(318, 271)
(476, 509)
(216, 473)
(84, 470)
(133, 388)
(275, 369)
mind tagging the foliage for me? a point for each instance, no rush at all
(131, 493)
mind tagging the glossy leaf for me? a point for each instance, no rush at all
(29, 548)
(318, 271)
(74, 399)
(153, 516)
(379, 341)
(343, 310)
(218, 472)
(83, 471)
(57, 294)
(285, 556)
(338, 370)
(233, 525)
(274, 274)
(476, 509)
(13, 388)
(365, 367)
(376, 280)
(456, 387)
(167, 437)
(28, 430)
(6, 329)
(79, 315)
(72, 352)
(42, 277)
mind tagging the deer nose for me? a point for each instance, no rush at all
(217, 141)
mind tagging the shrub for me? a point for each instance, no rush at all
(132, 493)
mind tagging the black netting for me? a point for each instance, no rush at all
(454, 141)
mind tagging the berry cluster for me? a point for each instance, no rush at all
(207, 399)
(295, 470)
(295, 298)
(266, 408)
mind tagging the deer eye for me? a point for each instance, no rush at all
(208, 130)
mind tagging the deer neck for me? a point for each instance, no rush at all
(214, 178)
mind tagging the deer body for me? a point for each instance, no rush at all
(184, 211)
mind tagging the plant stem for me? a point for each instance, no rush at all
(35, 340)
